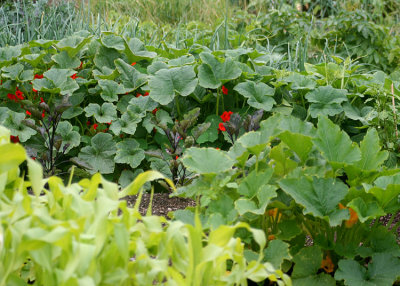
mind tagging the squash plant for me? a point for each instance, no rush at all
(315, 194)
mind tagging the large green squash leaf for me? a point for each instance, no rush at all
(213, 73)
(110, 90)
(259, 95)
(73, 44)
(326, 100)
(206, 160)
(167, 83)
(100, 154)
(69, 137)
(320, 197)
(129, 152)
(382, 271)
(307, 262)
(131, 78)
(57, 81)
(103, 114)
(335, 145)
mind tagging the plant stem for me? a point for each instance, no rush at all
(216, 110)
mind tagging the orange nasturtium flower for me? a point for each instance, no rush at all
(271, 237)
(353, 217)
(327, 264)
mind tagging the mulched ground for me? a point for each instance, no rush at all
(163, 204)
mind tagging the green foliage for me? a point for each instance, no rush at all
(291, 197)
(83, 234)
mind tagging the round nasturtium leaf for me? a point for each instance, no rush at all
(207, 160)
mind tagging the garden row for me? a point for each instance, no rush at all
(102, 102)
(282, 156)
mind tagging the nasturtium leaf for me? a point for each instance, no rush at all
(135, 50)
(166, 84)
(69, 137)
(276, 252)
(110, 90)
(335, 144)
(206, 160)
(73, 44)
(100, 154)
(211, 134)
(129, 152)
(17, 128)
(213, 73)
(371, 155)
(259, 95)
(131, 78)
(113, 41)
(382, 271)
(326, 100)
(320, 197)
(64, 61)
(103, 114)
(12, 156)
(366, 210)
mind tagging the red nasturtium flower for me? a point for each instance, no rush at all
(221, 127)
(353, 217)
(28, 113)
(132, 64)
(224, 90)
(80, 66)
(226, 116)
(34, 90)
(38, 76)
(176, 157)
(74, 76)
(14, 139)
(95, 126)
(138, 94)
(146, 93)
(19, 94)
(43, 114)
(88, 123)
(154, 111)
(41, 100)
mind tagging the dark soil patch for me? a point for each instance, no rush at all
(162, 204)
